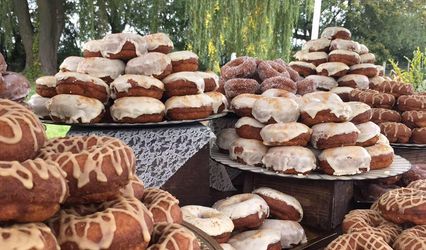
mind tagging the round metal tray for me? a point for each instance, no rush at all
(408, 145)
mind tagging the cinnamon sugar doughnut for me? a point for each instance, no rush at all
(414, 118)
(153, 64)
(225, 138)
(411, 239)
(395, 88)
(315, 45)
(174, 237)
(336, 33)
(290, 160)
(373, 98)
(189, 107)
(28, 236)
(275, 109)
(184, 83)
(382, 155)
(92, 48)
(220, 103)
(137, 110)
(303, 68)
(294, 75)
(240, 67)
(368, 58)
(348, 160)
(279, 82)
(367, 69)
(247, 151)
(14, 86)
(136, 85)
(184, 61)
(385, 115)
(359, 241)
(333, 69)
(103, 68)
(418, 184)
(285, 134)
(344, 56)
(411, 102)
(163, 206)
(361, 112)
(343, 44)
(158, 42)
(123, 46)
(316, 58)
(238, 86)
(38, 105)
(369, 134)
(306, 86)
(418, 136)
(354, 81)
(395, 132)
(268, 69)
(46, 86)
(249, 128)
(242, 104)
(342, 92)
(265, 239)
(70, 63)
(332, 135)
(292, 233)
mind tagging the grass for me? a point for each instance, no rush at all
(54, 131)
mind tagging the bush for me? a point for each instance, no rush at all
(415, 73)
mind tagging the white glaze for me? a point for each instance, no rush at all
(37, 104)
(187, 76)
(346, 160)
(274, 134)
(329, 129)
(368, 131)
(303, 64)
(123, 83)
(189, 101)
(70, 63)
(252, 151)
(48, 81)
(226, 137)
(341, 90)
(209, 220)
(93, 46)
(368, 58)
(379, 149)
(316, 44)
(361, 81)
(219, 99)
(149, 64)
(255, 239)
(101, 67)
(323, 82)
(244, 101)
(113, 43)
(182, 55)
(249, 122)
(135, 106)
(332, 68)
(318, 101)
(284, 158)
(292, 233)
(329, 32)
(82, 77)
(156, 40)
(357, 108)
(278, 108)
(242, 205)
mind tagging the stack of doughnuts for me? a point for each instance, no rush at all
(128, 78)
(13, 86)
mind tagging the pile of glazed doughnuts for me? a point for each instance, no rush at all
(396, 221)
(128, 78)
(78, 193)
(240, 222)
(13, 86)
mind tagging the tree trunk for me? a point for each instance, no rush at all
(25, 29)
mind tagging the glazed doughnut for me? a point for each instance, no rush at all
(103, 68)
(92, 48)
(136, 85)
(342, 92)
(368, 58)
(184, 83)
(163, 206)
(321, 83)
(344, 44)
(376, 81)
(385, 115)
(38, 105)
(225, 138)
(46, 86)
(354, 81)
(21, 132)
(82, 84)
(359, 241)
(373, 98)
(395, 132)
(418, 136)
(184, 61)
(332, 135)
(282, 93)
(315, 45)
(275, 109)
(414, 118)
(286, 134)
(123, 223)
(370, 221)
(279, 82)
(153, 64)
(249, 128)
(361, 112)
(404, 205)
(172, 236)
(28, 236)
(336, 33)
(123, 46)
(3, 64)
(303, 68)
(242, 104)
(268, 69)
(344, 56)
(416, 172)
(97, 167)
(240, 67)
(247, 151)
(75, 109)
(226, 246)
(316, 58)
(135, 188)
(158, 42)
(209, 220)
(363, 49)
(319, 107)
(395, 88)
(240, 86)
(220, 103)
(211, 80)
(292, 233)
(412, 102)
(411, 239)
(369, 134)
(290, 160)
(348, 160)
(189, 107)
(137, 110)
(382, 155)
(333, 69)
(70, 63)
(14, 86)
(265, 239)
(245, 210)
(281, 205)
(367, 69)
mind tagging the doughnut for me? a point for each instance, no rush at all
(333, 69)
(385, 115)
(172, 236)
(354, 81)
(82, 84)
(92, 48)
(137, 110)
(348, 160)
(418, 136)
(97, 167)
(332, 135)
(373, 98)
(209, 220)
(412, 102)
(281, 205)
(46, 86)
(344, 56)
(70, 63)
(382, 155)
(321, 83)
(35, 189)
(249, 128)
(3, 64)
(319, 107)
(189, 107)
(369, 134)
(123, 46)
(294, 75)
(245, 210)
(282, 93)
(373, 191)
(363, 49)
(184, 61)
(395, 132)
(290, 160)
(418, 184)
(342, 92)
(14, 86)
(336, 33)
(265, 239)
(376, 81)
(220, 103)
(211, 80)
(247, 151)
(367, 69)
(275, 109)
(135, 188)
(344, 44)
(238, 86)
(184, 83)
(225, 138)
(158, 42)
(303, 68)
(242, 104)
(163, 206)
(268, 69)
(279, 82)
(136, 85)
(361, 112)
(103, 68)
(38, 104)
(367, 58)
(370, 221)
(414, 118)
(359, 241)
(286, 134)
(292, 233)
(306, 86)
(21, 132)
(221, 88)
(123, 223)
(28, 236)
(411, 239)
(416, 172)
(395, 88)
(153, 64)
(315, 45)
(240, 67)
(316, 58)
(404, 205)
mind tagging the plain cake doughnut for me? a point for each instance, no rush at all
(240, 67)
(238, 86)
